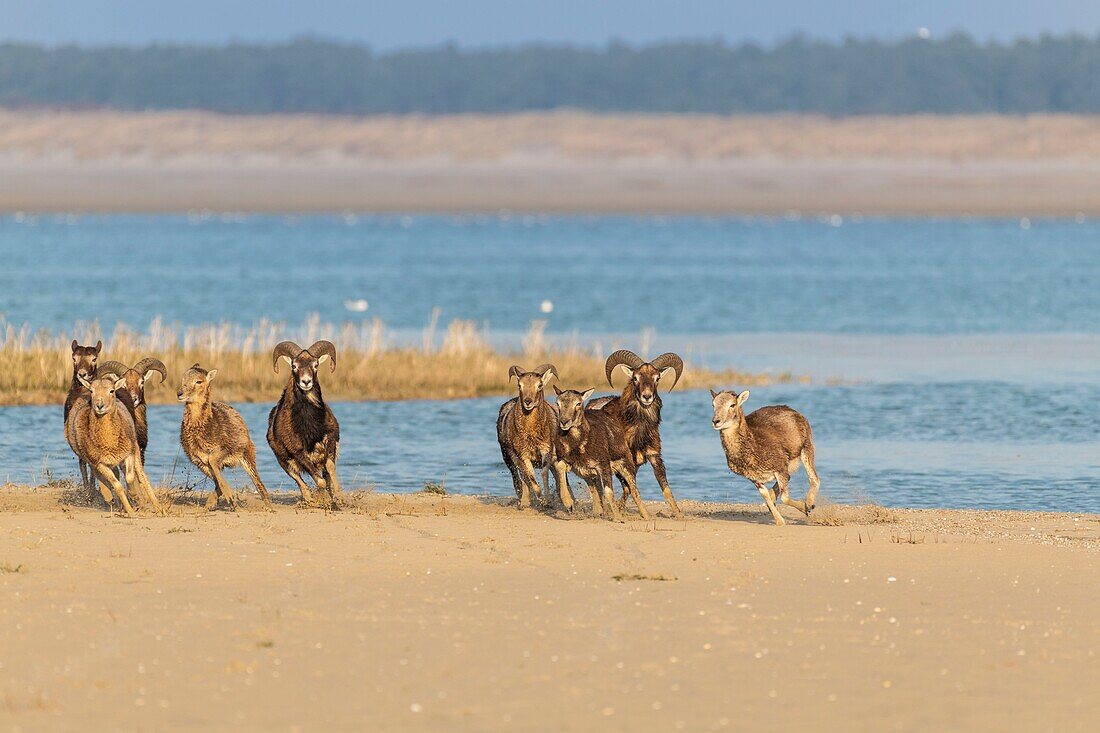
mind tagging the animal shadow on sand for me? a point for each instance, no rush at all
(582, 510)
(177, 498)
(753, 515)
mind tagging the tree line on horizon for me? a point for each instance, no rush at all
(954, 75)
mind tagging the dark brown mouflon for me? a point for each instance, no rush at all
(638, 409)
(301, 429)
(766, 446)
(84, 368)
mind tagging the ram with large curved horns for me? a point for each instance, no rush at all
(301, 429)
(132, 395)
(638, 409)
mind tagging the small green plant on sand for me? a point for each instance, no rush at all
(431, 487)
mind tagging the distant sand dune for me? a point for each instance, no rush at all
(557, 135)
(557, 162)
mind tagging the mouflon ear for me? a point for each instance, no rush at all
(514, 371)
(98, 347)
(713, 394)
(120, 383)
(742, 397)
(214, 372)
(587, 394)
(74, 346)
(557, 391)
(83, 382)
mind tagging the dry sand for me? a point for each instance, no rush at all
(564, 162)
(428, 613)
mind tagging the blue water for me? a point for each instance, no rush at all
(887, 443)
(603, 274)
(967, 352)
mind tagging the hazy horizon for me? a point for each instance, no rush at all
(420, 23)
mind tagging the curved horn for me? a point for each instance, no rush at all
(622, 356)
(113, 367)
(321, 348)
(542, 369)
(150, 364)
(288, 349)
(514, 371)
(669, 361)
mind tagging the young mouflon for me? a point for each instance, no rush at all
(101, 433)
(765, 446)
(525, 431)
(592, 443)
(132, 395)
(214, 436)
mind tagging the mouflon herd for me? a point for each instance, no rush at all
(598, 439)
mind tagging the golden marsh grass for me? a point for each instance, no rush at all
(458, 362)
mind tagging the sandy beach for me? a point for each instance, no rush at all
(898, 187)
(426, 612)
(558, 162)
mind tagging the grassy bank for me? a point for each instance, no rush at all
(35, 367)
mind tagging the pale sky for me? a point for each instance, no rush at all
(390, 24)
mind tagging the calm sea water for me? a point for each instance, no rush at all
(605, 274)
(969, 351)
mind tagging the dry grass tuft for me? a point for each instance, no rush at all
(35, 367)
(836, 515)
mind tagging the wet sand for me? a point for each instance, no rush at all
(426, 613)
(740, 186)
(565, 162)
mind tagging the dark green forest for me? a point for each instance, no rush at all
(952, 75)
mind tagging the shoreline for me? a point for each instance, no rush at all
(749, 186)
(556, 162)
(464, 613)
(563, 161)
